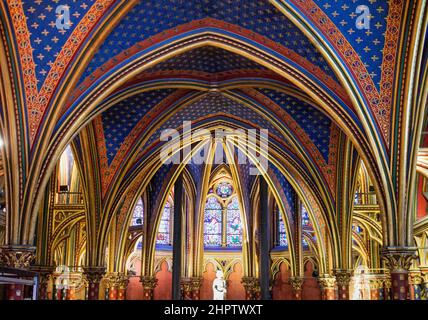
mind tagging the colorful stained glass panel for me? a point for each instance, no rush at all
(234, 226)
(164, 231)
(213, 223)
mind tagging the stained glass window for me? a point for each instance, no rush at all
(305, 216)
(234, 227)
(305, 243)
(164, 231)
(213, 222)
(224, 190)
(283, 242)
(137, 218)
(357, 229)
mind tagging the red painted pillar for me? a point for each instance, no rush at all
(186, 288)
(415, 282)
(327, 284)
(375, 285)
(149, 284)
(120, 284)
(399, 261)
(94, 275)
(343, 278)
(112, 294)
(15, 291)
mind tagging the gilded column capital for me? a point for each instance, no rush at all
(122, 280)
(326, 281)
(17, 257)
(250, 283)
(376, 283)
(149, 282)
(424, 274)
(45, 272)
(343, 277)
(196, 282)
(116, 279)
(296, 283)
(94, 274)
(415, 278)
(186, 284)
(387, 283)
(399, 259)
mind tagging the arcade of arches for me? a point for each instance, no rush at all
(145, 145)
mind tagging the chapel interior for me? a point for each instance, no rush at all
(310, 118)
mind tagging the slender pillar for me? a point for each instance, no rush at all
(296, 285)
(415, 282)
(327, 284)
(399, 261)
(122, 284)
(177, 238)
(375, 286)
(424, 284)
(196, 288)
(387, 291)
(343, 278)
(252, 287)
(111, 286)
(45, 274)
(186, 286)
(94, 275)
(265, 235)
(149, 284)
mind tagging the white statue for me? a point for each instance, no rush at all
(219, 286)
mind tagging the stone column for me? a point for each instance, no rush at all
(375, 286)
(187, 289)
(177, 244)
(399, 261)
(149, 283)
(424, 284)
(111, 288)
(93, 276)
(16, 257)
(327, 284)
(45, 274)
(122, 284)
(196, 288)
(415, 282)
(387, 292)
(252, 287)
(296, 285)
(265, 234)
(343, 278)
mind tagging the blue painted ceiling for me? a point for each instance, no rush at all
(46, 39)
(313, 122)
(207, 59)
(120, 119)
(368, 43)
(210, 105)
(151, 17)
(286, 187)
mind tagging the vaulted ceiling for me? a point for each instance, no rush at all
(308, 71)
